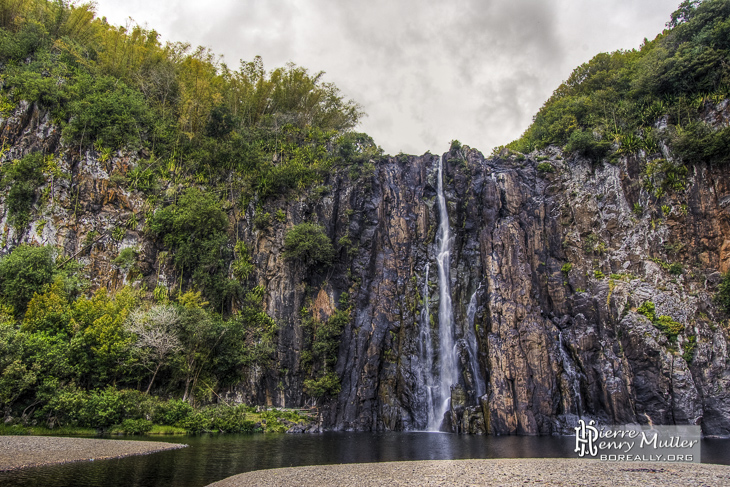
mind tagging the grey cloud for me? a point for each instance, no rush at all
(425, 71)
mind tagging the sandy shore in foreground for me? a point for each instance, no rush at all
(508, 472)
(32, 451)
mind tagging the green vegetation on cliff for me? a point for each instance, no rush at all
(206, 140)
(196, 120)
(206, 144)
(73, 359)
(612, 103)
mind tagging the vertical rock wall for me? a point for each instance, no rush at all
(554, 342)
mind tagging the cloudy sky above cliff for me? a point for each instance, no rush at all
(424, 71)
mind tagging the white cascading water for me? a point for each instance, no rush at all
(448, 369)
(425, 355)
(471, 340)
(572, 374)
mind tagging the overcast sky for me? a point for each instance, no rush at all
(424, 71)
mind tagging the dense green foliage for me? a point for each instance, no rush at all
(195, 229)
(722, 297)
(72, 359)
(25, 271)
(21, 179)
(206, 136)
(322, 340)
(113, 87)
(206, 143)
(666, 324)
(612, 102)
(308, 244)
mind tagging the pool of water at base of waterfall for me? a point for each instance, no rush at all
(214, 457)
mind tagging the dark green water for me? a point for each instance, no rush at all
(211, 458)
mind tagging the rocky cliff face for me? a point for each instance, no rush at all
(559, 267)
(553, 343)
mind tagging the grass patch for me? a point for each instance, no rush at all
(161, 429)
(20, 430)
(156, 429)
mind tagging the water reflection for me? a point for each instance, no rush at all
(211, 458)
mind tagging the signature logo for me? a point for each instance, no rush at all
(585, 438)
(676, 443)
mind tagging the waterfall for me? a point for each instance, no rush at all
(425, 353)
(471, 340)
(448, 369)
(572, 374)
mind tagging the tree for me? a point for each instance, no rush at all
(16, 376)
(22, 178)
(195, 230)
(107, 111)
(684, 13)
(308, 244)
(200, 334)
(157, 336)
(102, 343)
(24, 272)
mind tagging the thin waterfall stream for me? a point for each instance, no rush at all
(471, 341)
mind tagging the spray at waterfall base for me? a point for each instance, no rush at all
(637, 443)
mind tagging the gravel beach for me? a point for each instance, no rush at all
(31, 451)
(510, 472)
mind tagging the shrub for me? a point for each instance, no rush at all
(107, 112)
(345, 241)
(638, 209)
(676, 269)
(689, 349)
(308, 243)
(590, 242)
(172, 413)
(195, 230)
(261, 221)
(136, 426)
(647, 309)
(20, 44)
(665, 323)
(722, 297)
(126, 258)
(585, 144)
(22, 177)
(98, 409)
(698, 142)
(669, 327)
(328, 384)
(24, 272)
(354, 147)
(222, 418)
(545, 167)
(242, 266)
(662, 177)
(567, 267)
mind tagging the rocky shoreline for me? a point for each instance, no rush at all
(506, 472)
(32, 451)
